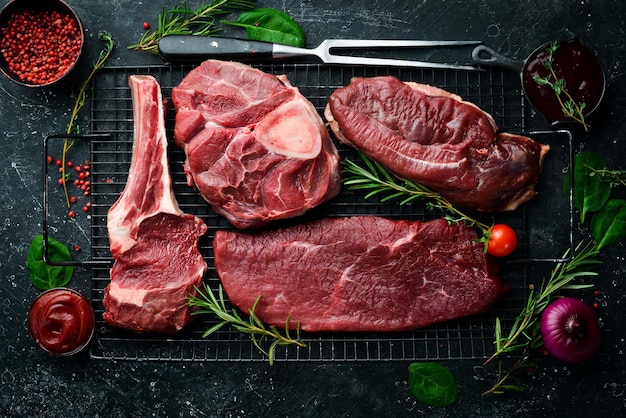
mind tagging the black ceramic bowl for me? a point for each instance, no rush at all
(573, 62)
(28, 62)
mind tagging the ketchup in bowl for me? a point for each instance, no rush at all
(61, 321)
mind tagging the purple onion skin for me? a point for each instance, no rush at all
(570, 330)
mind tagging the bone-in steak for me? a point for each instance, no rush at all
(430, 136)
(154, 244)
(256, 149)
(358, 274)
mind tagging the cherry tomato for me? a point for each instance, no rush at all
(502, 240)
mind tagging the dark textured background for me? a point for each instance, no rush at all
(35, 384)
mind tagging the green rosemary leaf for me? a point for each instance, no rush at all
(393, 196)
(375, 177)
(407, 200)
(207, 302)
(498, 333)
(184, 20)
(213, 329)
(524, 335)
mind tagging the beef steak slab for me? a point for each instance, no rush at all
(361, 273)
(255, 148)
(154, 244)
(433, 137)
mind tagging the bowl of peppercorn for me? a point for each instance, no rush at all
(40, 41)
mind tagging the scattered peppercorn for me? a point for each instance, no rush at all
(40, 46)
(82, 183)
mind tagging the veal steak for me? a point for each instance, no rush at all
(361, 273)
(154, 244)
(432, 137)
(255, 148)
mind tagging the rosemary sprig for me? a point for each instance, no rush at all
(570, 107)
(524, 337)
(207, 302)
(79, 101)
(183, 20)
(375, 178)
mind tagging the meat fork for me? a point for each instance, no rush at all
(190, 48)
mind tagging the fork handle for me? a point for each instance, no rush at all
(195, 48)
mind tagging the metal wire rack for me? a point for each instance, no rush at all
(496, 91)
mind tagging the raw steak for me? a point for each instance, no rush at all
(358, 274)
(430, 136)
(256, 149)
(154, 244)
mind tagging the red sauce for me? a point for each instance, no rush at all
(580, 69)
(61, 321)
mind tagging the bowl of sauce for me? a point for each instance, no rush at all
(61, 321)
(576, 67)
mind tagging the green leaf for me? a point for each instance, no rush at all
(270, 25)
(43, 275)
(608, 226)
(432, 384)
(541, 81)
(590, 192)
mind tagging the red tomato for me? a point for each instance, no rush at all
(502, 240)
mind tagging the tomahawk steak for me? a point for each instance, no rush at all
(358, 274)
(154, 244)
(432, 137)
(255, 148)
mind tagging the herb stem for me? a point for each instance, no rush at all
(183, 20)
(375, 178)
(614, 177)
(79, 102)
(524, 336)
(570, 107)
(207, 302)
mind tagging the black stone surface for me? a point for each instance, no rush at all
(35, 384)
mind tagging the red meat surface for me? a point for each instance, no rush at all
(358, 274)
(255, 148)
(432, 137)
(154, 244)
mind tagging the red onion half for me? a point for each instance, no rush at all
(570, 330)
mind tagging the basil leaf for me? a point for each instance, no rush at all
(432, 384)
(608, 226)
(270, 25)
(43, 275)
(590, 192)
